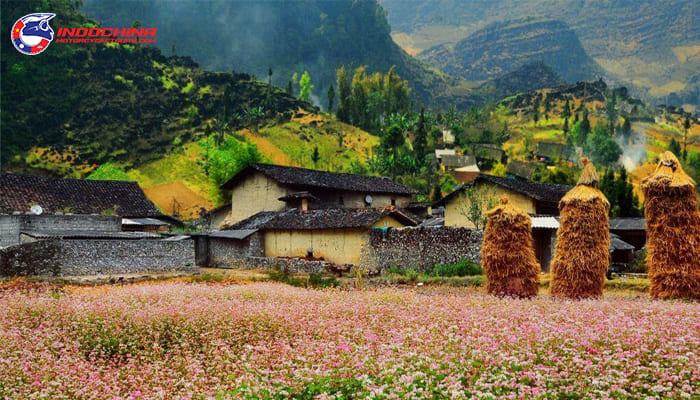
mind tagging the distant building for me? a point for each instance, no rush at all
(263, 187)
(521, 169)
(630, 230)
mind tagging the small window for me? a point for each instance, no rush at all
(393, 202)
(341, 201)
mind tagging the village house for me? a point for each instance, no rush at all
(335, 235)
(287, 212)
(263, 187)
(539, 200)
(80, 227)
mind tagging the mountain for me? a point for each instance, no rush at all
(652, 45)
(528, 77)
(288, 36)
(506, 46)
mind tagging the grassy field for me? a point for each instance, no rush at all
(193, 338)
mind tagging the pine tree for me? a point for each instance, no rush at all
(420, 139)
(566, 113)
(674, 147)
(343, 95)
(331, 98)
(315, 157)
(585, 123)
(289, 89)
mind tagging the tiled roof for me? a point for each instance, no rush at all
(627, 224)
(538, 191)
(332, 218)
(309, 178)
(19, 192)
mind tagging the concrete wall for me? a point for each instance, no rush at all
(254, 194)
(453, 210)
(9, 230)
(96, 257)
(421, 248)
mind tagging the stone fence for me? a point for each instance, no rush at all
(420, 248)
(61, 257)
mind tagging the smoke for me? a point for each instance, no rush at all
(635, 151)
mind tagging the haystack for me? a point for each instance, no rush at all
(673, 231)
(581, 254)
(508, 254)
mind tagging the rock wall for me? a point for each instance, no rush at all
(231, 253)
(96, 257)
(420, 248)
(9, 230)
(50, 223)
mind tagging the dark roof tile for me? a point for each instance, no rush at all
(303, 177)
(19, 192)
(332, 218)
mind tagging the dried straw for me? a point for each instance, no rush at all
(673, 231)
(581, 254)
(508, 254)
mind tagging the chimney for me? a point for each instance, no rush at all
(304, 204)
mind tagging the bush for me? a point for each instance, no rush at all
(464, 267)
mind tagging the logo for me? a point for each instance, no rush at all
(32, 34)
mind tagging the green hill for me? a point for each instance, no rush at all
(128, 112)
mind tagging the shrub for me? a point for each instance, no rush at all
(464, 267)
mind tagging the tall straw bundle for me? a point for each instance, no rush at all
(673, 231)
(581, 254)
(508, 254)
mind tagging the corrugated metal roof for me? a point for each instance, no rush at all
(143, 221)
(544, 222)
(238, 234)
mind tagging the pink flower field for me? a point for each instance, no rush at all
(178, 340)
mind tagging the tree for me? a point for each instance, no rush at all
(331, 98)
(305, 86)
(315, 157)
(343, 95)
(474, 202)
(393, 139)
(289, 89)
(566, 112)
(499, 169)
(674, 147)
(686, 128)
(626, 130)
(565, 127)
(602, 148)
(536, 109)
(620, 193)
(611, 112)
(547, 107)
(585, 124)
(420, 139)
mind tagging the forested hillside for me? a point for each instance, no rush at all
(288, 36)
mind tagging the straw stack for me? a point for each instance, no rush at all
(581, 254)
(508, 254)
(673, 231)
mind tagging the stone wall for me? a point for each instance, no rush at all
(51, 223)
(97, 257)
(420, 248)
(9, 230)
(232, 253)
